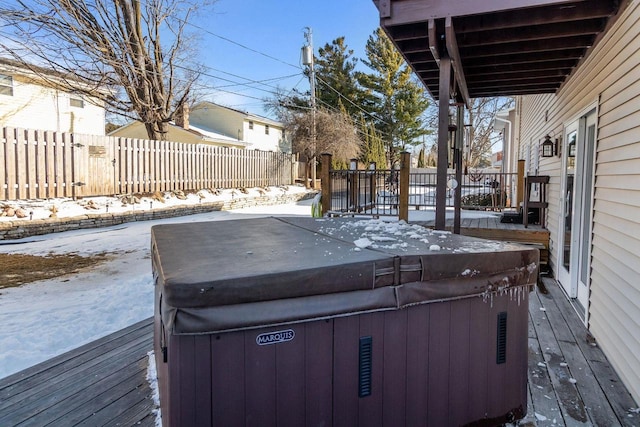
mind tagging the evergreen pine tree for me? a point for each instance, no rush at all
(398, 101)
(337, 85)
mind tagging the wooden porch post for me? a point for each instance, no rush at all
(325, 183)
(459, 144)
(443, 135)
(403, 202)
(520, 184)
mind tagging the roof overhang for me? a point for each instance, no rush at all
(498, 47)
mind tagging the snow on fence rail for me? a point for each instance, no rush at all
(38, 164)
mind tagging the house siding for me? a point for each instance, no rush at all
(609, 78)
(222, 120)
(138, 130)
(235, 124)
(33, 106)
(259, 140)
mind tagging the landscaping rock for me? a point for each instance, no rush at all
(158, 196)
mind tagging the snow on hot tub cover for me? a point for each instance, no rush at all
(229, 275)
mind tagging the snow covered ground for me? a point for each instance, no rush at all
(46, 318)
(67, 207)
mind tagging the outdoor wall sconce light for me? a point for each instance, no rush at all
(548, 147)
(372, 166)
(353, 165)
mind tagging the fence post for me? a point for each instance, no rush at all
(405, 167)
(520, 185)
(325, 183)
(352, 184)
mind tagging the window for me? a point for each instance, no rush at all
(250, 125)
(76, 101)
(6, 85)
(266, 129)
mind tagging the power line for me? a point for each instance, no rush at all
(283, 62)
(356, 121)
(351, 102)
(236, 43)
(235, 83)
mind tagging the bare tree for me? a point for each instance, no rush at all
(112, 51)
(481, 137)
(335, 134)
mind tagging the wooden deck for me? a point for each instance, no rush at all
(491, 228)
(104, 382)
(101, 383)
(571, 383)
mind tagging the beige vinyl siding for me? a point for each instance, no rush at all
(611, 76)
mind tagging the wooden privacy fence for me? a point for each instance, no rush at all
(44, 164)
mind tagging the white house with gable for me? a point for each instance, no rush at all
(259, 133)
(213, 124)
(28, 101)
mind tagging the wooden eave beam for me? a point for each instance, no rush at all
(550, 66)
(513, 92)
(428, 74)
(426, 67)
(414, 46)
(433, 41)
(456, 62)
(521, 48)
(531, 33)
(430, 82)
(499, 76)
(394, 12)
(540, 16)
(520, 83)
(530, 58)
(409, 32)
(420, 58)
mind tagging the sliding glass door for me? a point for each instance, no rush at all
(575, 226)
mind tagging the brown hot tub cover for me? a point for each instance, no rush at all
(283, 270)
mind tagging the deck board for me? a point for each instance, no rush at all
(598, 367)
(104, 382)
(76, 379)
(492, 228)
(69, 389)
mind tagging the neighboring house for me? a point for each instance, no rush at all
(593, 121)
(186, 133)
(258, 132)
(28, 101)
(209, 123)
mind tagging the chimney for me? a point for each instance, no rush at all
(181, 117)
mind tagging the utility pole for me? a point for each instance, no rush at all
(308, 60)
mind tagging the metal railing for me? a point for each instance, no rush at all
(377, 192)
(365, 192)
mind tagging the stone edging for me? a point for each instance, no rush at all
(26, 228)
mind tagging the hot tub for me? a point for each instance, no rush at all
(304, 322)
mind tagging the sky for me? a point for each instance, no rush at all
(272, 33)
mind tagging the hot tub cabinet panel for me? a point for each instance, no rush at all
(400, 354)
